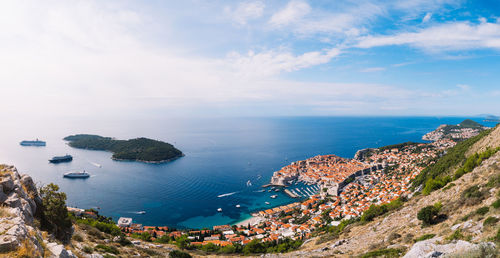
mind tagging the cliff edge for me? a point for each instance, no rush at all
(20, 207)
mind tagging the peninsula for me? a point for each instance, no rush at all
(139, 149)
(466, 129)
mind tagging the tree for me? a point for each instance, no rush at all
(428, 214)
(55, 217)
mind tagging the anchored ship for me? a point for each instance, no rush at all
(33, 143)
(82, 174)
(59, 159)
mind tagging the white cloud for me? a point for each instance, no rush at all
(427, 17)
(273, 62)
(443, 37)
(463, 87)
(373, 69)
(347, 21)
(293, 12)
(247, 11)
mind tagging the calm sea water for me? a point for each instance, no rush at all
(222, 154)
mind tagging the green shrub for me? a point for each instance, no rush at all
(88, 249)
(457, 235)
(435, 183)
(482, 210)
(496, 204)
(473, 195)
(494, 181)
(383, 253)
(428, 215)
(425, 237)
(448, 186)
(490, 221)
(377, 210)
(77, 237)
(179, 254)
(497, 236)
(107, 248)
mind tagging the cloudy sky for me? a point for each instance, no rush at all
(249, 58)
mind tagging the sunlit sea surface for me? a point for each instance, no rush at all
(222, 156)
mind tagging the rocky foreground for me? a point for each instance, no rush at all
(20, 204)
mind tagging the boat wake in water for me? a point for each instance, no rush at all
(226, 194)
(95, 164)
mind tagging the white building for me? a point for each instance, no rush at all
(124, 222)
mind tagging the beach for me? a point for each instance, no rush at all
(252, 221)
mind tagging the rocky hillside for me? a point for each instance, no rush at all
(19, 210)
(467, 224)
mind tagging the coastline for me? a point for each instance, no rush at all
(150, 162)
(252, 220)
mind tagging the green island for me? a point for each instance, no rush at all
(139, 149)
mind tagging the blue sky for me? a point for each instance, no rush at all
(250, 58)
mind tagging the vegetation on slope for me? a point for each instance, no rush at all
(55, 217)
(436, 175)
(140, 149)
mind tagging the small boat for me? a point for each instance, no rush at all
(267, 203)
(269, 190)
(219, 209)
(238, 206)
(141, 212)
(82, 174)
(274, 196)
(260, 191)
(277, 190)
(249, 183)
(59, 159)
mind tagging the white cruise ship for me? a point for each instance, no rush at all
(82, 174)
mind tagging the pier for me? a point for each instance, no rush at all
(293, 195)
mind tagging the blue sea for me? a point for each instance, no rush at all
(222, 156)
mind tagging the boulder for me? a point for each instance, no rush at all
(8, 243)
(7, 184)
(28, 184)
(3, 196)
(430, 248)
(13, 200)
(19, 231)
(59, 251)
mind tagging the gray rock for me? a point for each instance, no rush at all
(429, 248)
(3, 196)
(94, 256)
(13, 200)
(59, 251)
(8, 243)
(18, 230)
(7, 184)
(28, 183)
(455, 227)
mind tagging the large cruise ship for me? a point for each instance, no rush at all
(33, 143)
(59, 159)
(82, 174)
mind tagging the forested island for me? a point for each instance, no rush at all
(139, 149)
